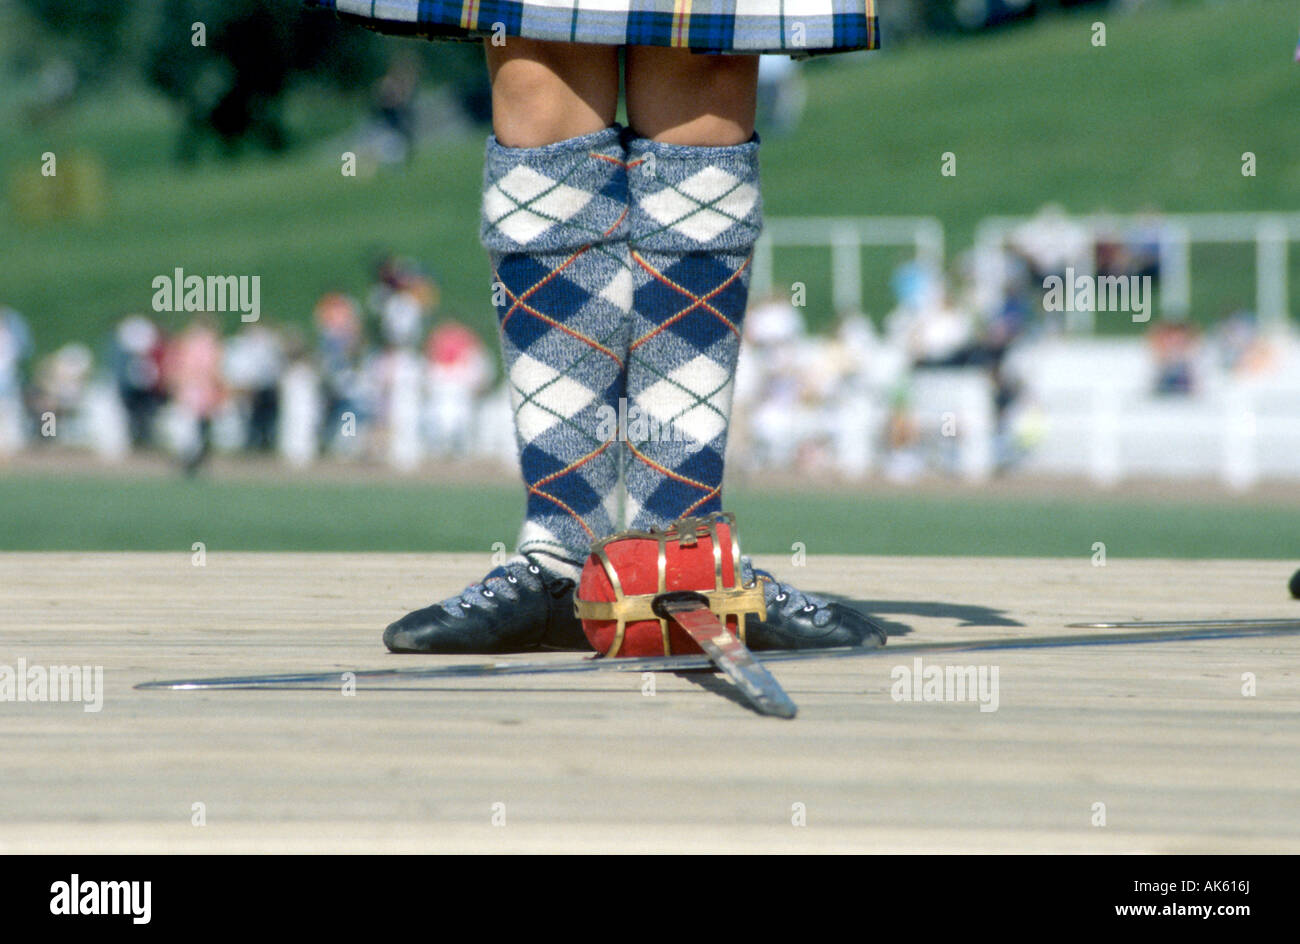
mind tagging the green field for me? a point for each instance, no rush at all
(1158, 117)
(159, 514)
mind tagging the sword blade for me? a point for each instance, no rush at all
(1180, 632)
(1192, 624)
(730, 655)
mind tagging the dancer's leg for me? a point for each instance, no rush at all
(696, 212)
(554, 205)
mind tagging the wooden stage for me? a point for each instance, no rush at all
(1161, 734)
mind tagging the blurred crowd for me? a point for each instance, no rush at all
(390, 379)
(384, 378)
(863, 397)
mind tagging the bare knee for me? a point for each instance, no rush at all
(544, 92)
(680, 97)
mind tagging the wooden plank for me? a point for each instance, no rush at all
(1162, 734)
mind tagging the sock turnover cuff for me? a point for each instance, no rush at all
(693, 198)
(556, 197)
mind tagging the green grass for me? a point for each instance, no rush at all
(76, 513)
(1159, 116)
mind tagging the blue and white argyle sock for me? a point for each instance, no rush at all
(553, 222)
(695, 214)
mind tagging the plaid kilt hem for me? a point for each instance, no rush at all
(798, 28)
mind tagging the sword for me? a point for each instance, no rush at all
(690, 611)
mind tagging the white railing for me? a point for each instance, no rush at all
(846, 236)
(1270, 232)
(1101, 419)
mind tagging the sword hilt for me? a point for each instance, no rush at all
(678, 601)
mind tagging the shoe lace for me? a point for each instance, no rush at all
(501, 583)
(784, 596)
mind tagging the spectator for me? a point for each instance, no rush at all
(254, 361)
(394, 110)
(402, 297)
(1174, 346)
(1242, 349)
(15, 348)
(302, 405)
(459, 372)
(137, 355)
(192, 374)
(1051, 242)
(936, 334)
(340, 348)
(59, 391)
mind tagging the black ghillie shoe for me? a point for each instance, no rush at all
(798, 620)
(517, 607)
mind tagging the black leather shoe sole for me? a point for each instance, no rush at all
(432, 630)
(538, 619)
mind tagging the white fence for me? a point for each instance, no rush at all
(845, 237)
(1098, 414)
(1271, 234)
(1102, 420)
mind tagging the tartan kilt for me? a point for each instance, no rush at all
(798, 28)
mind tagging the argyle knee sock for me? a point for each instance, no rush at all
(695, 213)
(552, 222)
